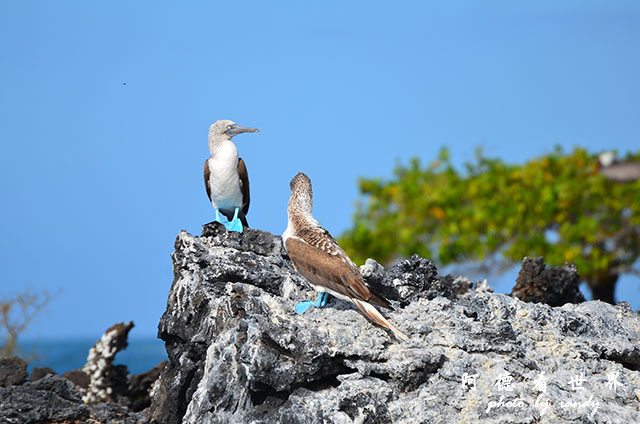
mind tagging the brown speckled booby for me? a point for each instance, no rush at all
(318, 257)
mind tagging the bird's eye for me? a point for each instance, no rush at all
(228, 127)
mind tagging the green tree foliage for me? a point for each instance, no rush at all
(555, 206)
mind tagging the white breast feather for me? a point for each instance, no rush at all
(223, 178)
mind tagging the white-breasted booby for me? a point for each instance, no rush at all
(225, 175)
(318, 257)
(617, 170)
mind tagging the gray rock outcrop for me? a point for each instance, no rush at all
(238, 352)
(554, 286)
(12, 371)
(139, 388)
(105, 393)
(54, 399)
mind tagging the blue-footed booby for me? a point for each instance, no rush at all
(225, 175)
(318, 257)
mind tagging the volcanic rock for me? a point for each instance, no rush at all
(54, 399)
(140, 386)
(107, 382)
(12, 371)
(554, 286)
(39, 372)
(238, 352)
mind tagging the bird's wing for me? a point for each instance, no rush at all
(323, 240)
(244, 185)
(207, 173)
(324, 263)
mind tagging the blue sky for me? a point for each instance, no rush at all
(105, 110)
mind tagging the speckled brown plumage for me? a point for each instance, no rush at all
(318, 257)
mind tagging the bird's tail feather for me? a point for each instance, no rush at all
(374, 315)
(243, 219)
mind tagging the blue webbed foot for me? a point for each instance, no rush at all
(303, 306)
(218, 219)
(234, 225)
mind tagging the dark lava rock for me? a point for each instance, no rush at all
(79, 378)
(238, 353)
(407, 280)
(140, 386)
(459, 283)
(101, 381)
(38, 372)
(202, 268)
(12, 371)
(254, 241)
(553, 286)
(54, 399)
(48, 397)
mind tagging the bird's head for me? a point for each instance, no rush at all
(227, 129)
(606, 159)
(301, 194)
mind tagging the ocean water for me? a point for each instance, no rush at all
(65, 355)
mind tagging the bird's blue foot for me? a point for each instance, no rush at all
(218, 219)
(234, 225)
(303, 306)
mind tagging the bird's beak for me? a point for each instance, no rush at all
(237, 129)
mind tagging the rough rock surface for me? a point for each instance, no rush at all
(140, 386)
(54, 399)
(12, 371)
(238, 353)
(554, 286)
(39, 372)
(107, 382)
(116, 396)
(406, 281)
(460, 284)
(48, 397)
(79, 378)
